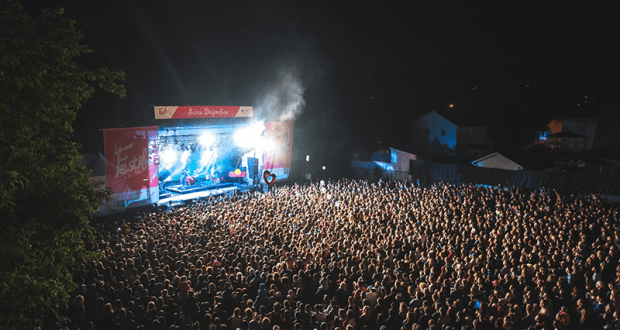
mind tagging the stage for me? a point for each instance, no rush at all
(184, 161)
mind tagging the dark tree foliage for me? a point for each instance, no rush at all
(46, 198)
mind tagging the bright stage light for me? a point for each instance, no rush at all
(243, 138)
(207, 157)
(250, 136)
(168, 156)
(184, 157)
(267, 144)
(206, 139)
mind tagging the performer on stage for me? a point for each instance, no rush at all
(187, 180)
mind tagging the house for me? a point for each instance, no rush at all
(498, 161)
(572, 134)
(435, 134)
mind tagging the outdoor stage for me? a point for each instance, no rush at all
(202, 151)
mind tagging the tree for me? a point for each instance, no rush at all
(46, 198)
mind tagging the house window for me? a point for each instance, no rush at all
(427, 132)
(443, 132)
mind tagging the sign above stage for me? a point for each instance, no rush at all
(202, 111)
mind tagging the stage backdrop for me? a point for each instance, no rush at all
(278, 160)
(131, 165)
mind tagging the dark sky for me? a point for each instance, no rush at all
(349, 70)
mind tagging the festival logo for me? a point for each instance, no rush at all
(128, 167)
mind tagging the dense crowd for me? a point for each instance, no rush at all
(351, 255)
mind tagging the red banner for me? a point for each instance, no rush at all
(131, 159)
(206, 111)
(278, 160)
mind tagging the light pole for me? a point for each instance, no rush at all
(308, 174)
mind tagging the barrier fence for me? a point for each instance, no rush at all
(567, 182)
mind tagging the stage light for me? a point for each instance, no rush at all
(267, 144)
(206, 139)
(207, 157)
(168, 156)
(243, 138)
(250, 136)
(184, 157)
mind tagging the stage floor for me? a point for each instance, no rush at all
(198, 186)
(217, 190)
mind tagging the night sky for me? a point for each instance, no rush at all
(350, 71)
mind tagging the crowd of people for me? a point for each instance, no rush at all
(351, 255)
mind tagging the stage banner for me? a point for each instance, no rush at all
(278, 160)
(132, 158)
(206, 111)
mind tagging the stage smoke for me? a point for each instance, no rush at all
(285, 99)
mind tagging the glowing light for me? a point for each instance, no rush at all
(237, 171)
(184, 157)
(307, 158)
(267, 144)
(543, 136)
(206, 158)
(451, 105)
(168, 156)
(206, 139)
(250, 136)
(324, 167)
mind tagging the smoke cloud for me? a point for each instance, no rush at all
(284, 98)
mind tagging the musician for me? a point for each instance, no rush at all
(187, 180)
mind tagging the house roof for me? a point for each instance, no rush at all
(567, 134)
(97, 165)
(454, 119)
(497, 160)
(86, 158)
(433, 112)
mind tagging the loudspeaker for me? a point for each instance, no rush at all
(253, 166)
